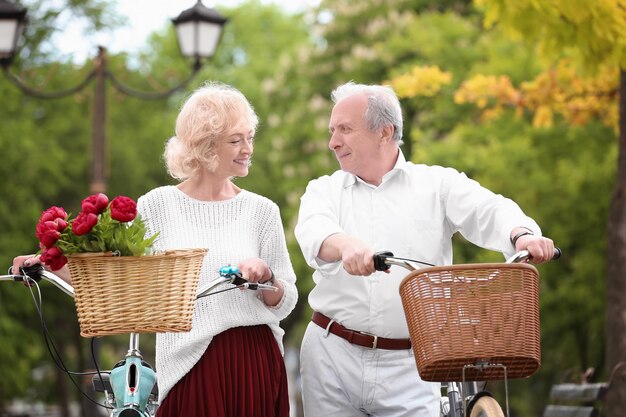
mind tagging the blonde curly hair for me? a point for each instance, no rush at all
(209, 113)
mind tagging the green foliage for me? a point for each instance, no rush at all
(595, 32)
(108, 235)
(287, 66)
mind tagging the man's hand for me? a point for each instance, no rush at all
(540, 249)
(356, 255)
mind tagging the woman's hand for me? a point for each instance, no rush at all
(24, 260)
(257, 270)
(30, 260)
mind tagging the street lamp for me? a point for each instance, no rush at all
(11, 23)
(198, 29)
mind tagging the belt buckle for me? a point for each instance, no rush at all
(327, 329)
(375, 343)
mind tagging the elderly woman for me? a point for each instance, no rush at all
(230, 363)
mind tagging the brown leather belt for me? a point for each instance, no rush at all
(359, 338)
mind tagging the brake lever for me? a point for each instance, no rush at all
(234, 276)
(524, 256)
(258, 286)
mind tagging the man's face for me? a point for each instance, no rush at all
(357, 148)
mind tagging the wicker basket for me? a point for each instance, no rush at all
(135, 294)
(473, 314)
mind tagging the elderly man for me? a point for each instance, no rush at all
(356, 358)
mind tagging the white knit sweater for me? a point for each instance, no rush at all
(246, 226)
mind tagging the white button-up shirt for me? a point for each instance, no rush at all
(413, 213)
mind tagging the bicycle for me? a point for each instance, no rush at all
(130, 388)
(446, 308)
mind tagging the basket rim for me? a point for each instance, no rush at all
(167, 253)
(466, 267)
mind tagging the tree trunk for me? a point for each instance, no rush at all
(616, 278)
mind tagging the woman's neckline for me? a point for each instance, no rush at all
(200, 199)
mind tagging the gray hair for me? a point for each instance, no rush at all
(383, 106)
(208, 114)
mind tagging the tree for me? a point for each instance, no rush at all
(567, 33)
(595, 33)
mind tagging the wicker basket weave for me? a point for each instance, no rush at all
(135, 294)
(473, 314)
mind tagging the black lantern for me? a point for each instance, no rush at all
(199, 30)
(12, 19)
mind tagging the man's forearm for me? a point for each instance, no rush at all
(331, 248)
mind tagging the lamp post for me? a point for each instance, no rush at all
(198, 29)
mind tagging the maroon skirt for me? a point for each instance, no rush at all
(241, 374)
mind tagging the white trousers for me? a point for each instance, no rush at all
(341, 379)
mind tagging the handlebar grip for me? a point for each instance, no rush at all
(557, 253)
(34, 272)
(379, 261)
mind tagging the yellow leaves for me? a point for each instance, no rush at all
(490, 93)
(543, 117)
(421, 81)
(484, 89)
(558, 91)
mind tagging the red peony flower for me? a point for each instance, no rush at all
(49, 238)
(123, 209)
(96, 203)
(53, 213)
(44, 227)
(61, 224)
(83, 223)
(100, 227)
(54, 258)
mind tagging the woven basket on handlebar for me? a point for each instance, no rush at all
(135, 294)
(473, 314)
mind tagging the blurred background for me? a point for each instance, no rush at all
(522, 96)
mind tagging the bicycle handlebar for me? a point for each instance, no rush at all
(36, 273)
(384, 260)
(230, 275)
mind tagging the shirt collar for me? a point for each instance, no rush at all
(401, 165)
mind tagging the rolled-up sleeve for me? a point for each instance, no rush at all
(317, 219)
